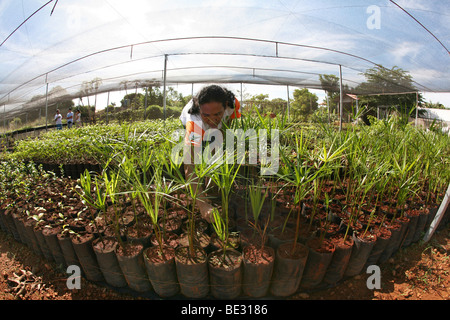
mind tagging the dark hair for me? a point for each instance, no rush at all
(212, 93)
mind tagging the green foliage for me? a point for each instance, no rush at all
(387, 82)
(15, 123)
(78, 144)
(330, 84)
(154, 112)
(303, 105)
(257, 194)
(389, 159)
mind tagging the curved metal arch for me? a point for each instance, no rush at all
(276, 43)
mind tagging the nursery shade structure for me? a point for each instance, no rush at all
(58, 50)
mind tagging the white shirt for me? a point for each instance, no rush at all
(184, 113)
(58, 118)
(70, 116)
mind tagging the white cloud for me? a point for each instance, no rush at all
(414, 4)
(405, 50)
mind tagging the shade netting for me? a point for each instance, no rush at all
(56, 50)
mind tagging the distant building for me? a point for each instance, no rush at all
(428, 116)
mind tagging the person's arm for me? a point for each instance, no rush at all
(193, 134)
(202, 202)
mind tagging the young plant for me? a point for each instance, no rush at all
(405, 178)
(153, 195)
(223, 174)
(94, 196)
(257, 198)
(110, 182)
(190, 182)
(299, 175)
(220, 228)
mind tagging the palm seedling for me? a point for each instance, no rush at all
(405, 179)
(155, 195)
(328, 162)
(298, 174)
(151, 196)
(223, 173)
(93, 195)
(258, 194)
(191, 186)
(111, 184)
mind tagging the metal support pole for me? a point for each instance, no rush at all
(357, 109)
(135, 95)
(328, 107)
(107, 109)
(439, 215)
(145, 102)
(417, 108)
(241, 98)
(341, 99)
(288, 104)
(164, 92)
(46, 103)
(95, 108)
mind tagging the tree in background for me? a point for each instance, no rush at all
(388, 82)
(278, 106)
(259, 101)
(434, 105)
(147, 104)
(91, 88)
(330, 84)
(176, 100)
(303, 105)
(64, 105)
(154, 95)
(133, 100)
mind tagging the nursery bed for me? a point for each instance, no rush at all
(419, 272)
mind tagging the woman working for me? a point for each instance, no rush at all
(211, 107)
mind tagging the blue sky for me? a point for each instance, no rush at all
(81, 27)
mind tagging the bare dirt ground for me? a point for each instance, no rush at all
(419, 272)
